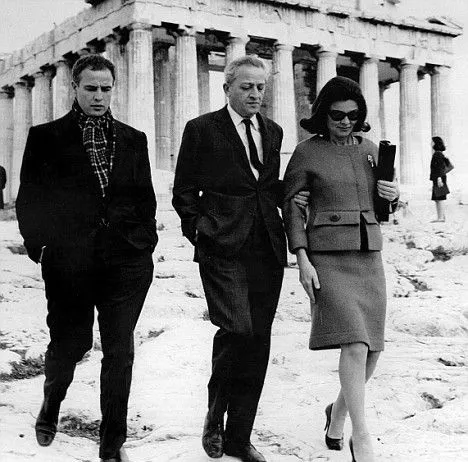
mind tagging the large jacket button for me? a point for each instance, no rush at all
(335, 217)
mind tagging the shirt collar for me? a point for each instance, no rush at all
(237, 118)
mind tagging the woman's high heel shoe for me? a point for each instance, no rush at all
(351, 449)
(335, 444)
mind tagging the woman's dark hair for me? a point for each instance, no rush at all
(438, 143)
(336, 89)
(94, 62)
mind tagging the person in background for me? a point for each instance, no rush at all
(438, 178)
(339, 248)
(3, 180)
(86, 210)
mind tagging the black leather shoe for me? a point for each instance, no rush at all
(213, 437)
(121, 457)
(46, 426)
(335, 444)
(245, 452)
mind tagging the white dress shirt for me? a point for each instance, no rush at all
(242, 130)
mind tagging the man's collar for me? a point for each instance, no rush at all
(237, 118)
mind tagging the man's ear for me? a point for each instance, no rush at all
(226, 89)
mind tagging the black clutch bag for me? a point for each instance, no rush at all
(384, 171)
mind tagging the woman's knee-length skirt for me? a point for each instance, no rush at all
(350, 305)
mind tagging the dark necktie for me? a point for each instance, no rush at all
(254, 159)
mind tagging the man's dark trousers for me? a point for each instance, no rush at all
(240, 354)
(116, 283)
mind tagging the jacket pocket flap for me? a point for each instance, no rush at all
(336, 218)
(370, 218)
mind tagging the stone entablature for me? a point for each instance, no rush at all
(311, 23)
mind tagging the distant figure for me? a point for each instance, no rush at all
(438, 178)
(3, 180)
(339, 247)
(86, 210)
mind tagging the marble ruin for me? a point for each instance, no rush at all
(165, 52)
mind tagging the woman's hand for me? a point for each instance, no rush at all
(388, 190)
(302, 200)
(440, 183)
(307, 274)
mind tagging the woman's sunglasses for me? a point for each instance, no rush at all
(340, 115)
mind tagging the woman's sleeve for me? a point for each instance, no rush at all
(295, 180)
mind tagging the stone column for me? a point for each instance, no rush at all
(304, 82)
(203, 81)
(6, 137)
(141, 84)
(369, 82)
(22, 117)
(116, 53)
(42, 97)
(186, 84)
(411, 167)
(235, 48)
(163, 106)
(64, 94)
(284, 102)
(326, 67)
(382, 115)
(440, 104)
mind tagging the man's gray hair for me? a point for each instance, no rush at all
(230, 70)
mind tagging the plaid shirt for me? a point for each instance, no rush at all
(96, 142)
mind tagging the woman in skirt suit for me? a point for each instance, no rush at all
(438, 177)
(338, 248)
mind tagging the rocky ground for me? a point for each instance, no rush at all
(417, 401)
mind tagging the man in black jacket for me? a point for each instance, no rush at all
(227, 193)
(86, 210)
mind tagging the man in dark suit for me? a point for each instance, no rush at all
(226, 192)
(86, 210)
(3, 180)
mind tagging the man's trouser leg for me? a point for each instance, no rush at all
(123, 288)
(69, 291)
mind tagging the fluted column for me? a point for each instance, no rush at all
(116, 53)
(440, 104)
(410, 130)
(369, 82)
(186, 93)
(382, 111)
(22, 117)
(304, 82)
(203, 81)
(42, 97)
(141, 84)
(163, 106)
(326, 67)
(6, 137)
(235, 48)
(63, 89)
(284, 102)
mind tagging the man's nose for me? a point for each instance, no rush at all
(98, 95)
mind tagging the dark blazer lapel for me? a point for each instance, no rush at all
(119, 149)
(266, 140)
(226, 126)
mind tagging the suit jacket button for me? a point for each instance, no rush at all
(335, 217)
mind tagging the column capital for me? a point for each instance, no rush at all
(409, 63)
(23, 83)
(47, 72)
(238, 40)
(283, 46)
(61, 62)
(7, 92)
(140, 26)
(183, 31)
(327, 51)
(439, 69)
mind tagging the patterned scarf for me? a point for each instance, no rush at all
(96, 143)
